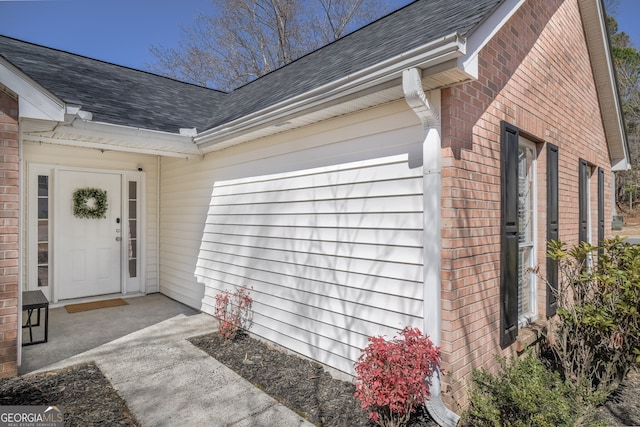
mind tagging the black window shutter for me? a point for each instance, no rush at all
(509, 247)
(583, 209)
(600, 205)
(552, 225)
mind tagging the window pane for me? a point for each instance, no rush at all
(526, 216)
(43, 208)
(43, 230)
(133, 190)
(133, 250)
(132, 268)
(133, 224)
(524, 281)
(43, 276)
(43, 253)
(43, 185)
(525, 194)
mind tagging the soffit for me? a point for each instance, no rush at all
(593, 19)
(108, 137)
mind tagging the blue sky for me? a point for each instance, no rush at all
(121, 31)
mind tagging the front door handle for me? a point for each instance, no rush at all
(118, 238)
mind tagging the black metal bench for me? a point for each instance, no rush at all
(35, 300)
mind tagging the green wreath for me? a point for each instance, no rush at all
(90, 203)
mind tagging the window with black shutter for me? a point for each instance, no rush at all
(509, 240)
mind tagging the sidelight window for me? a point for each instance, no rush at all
(43, 230)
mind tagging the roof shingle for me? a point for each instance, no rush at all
(414, 25)
(112, 93)
(123, 96)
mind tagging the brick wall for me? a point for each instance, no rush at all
(9, 217)
(535, 74)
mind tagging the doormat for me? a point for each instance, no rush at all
(76, 308)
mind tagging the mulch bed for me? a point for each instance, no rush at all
(307, 389)
(298, 383)
(86, 396)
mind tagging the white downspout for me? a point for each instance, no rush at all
(428, 110)
(21, 232)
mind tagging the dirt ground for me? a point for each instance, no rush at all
(631, 229)
(631, 223)
(623, 407)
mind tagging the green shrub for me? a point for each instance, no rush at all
(596, 335)
(523, 393)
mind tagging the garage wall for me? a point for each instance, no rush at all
(324, 224)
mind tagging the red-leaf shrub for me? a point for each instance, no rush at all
(392, 377)
(233, 312)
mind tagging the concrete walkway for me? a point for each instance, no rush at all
(165, 380)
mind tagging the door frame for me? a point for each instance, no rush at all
(128, 285)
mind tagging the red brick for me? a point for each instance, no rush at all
(9, 218)
(529, 82)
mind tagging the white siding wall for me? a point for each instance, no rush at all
(88, 158)
(324, 223)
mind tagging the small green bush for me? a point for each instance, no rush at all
(523, 393)
(596, 334)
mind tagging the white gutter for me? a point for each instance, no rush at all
(111, 137)
(436, 52)
(428, 110)
(138, 135)
(158, 205)
(21, 228)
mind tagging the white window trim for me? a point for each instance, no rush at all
(530, 317)
(134, 284)
(31, 230)
(591, 169)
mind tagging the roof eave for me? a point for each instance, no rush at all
(484, 32)
(430, 55)
(34, 101)
(110, 137)
(594, 23)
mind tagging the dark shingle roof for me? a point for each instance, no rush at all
(124, 96)
(414, 25)
(112, 93)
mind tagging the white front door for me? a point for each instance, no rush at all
(88, 257)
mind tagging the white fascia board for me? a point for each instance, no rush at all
(105, 136)
(620, 165)
(484, 33)
(107, 147)
(594, 23)
(34, 101)
(434, 53)
(136, 137)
